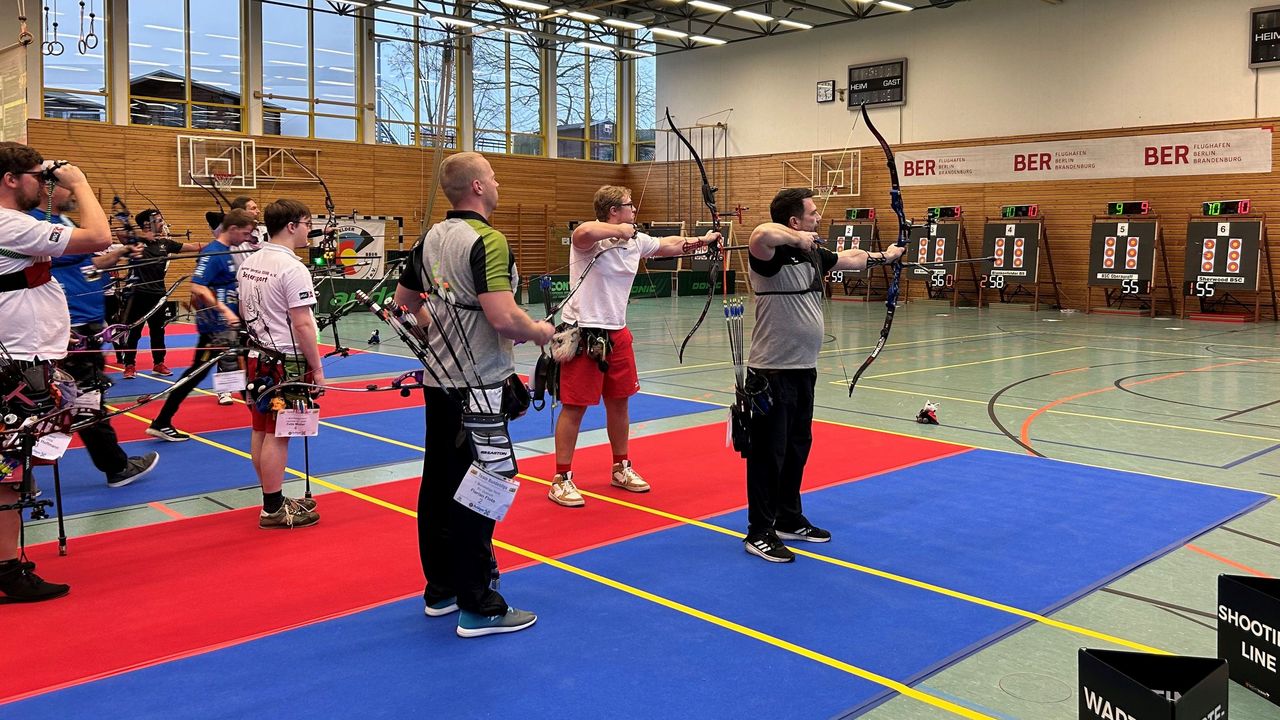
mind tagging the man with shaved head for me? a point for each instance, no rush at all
(466, 255)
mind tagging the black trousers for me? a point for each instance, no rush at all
(135, 307)
(88, 368)
(218, 342)
(780, 442)
(454, 542)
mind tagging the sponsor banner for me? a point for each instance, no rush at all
(1220, 152)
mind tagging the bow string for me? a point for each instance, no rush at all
(713, 248)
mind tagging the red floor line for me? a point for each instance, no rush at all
(1227, 561)
(166, 510)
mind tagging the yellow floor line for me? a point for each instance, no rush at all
(802, 651)
(920, 584)
(975, 362)
(834, 351)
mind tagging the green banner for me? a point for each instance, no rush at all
(333, 294)
(645, 286)
(694, 282)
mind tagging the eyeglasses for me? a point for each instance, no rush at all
(626, 205)
(306, 222)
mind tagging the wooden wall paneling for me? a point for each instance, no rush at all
(1068, 206)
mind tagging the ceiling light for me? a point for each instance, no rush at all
(525, 4)
(707, 40)
(354, 3)
(796, 25)
(896, 6)
(450, 20)
(713, 7)
(163, 27)
(594, 46)
(637, 53)
(761, 17)
(667, 32)
(512, 31)
(220, 37)
(585, 17)
(403, 11)
(625, 24)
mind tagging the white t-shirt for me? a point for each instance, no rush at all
(36, 322)
(602, 301)
(272, 281)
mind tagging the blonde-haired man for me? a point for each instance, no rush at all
(605, 366)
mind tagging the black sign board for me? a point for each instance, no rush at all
(663, 230)
(931, 243)
(1123, 254)
(879, 83)
(1120, 685)
(1249, 631)
(850, 236)
(1222, 256)
(1264, 36)
(1015, 245)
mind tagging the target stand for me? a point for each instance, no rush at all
(1016, 244)
(1125, 254)
(856, 235)
(1226, 255)
(940, 241)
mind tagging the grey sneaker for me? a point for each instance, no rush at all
(136, 468)
(440, 607)
(292, 514)
(475, 625)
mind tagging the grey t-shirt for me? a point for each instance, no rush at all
(788, 330)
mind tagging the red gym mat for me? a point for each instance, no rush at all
(150, 594)
(201, 413)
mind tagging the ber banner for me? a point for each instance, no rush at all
(1222, 152)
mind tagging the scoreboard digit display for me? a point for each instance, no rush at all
(1129, 207)
(1020, 211)
(1213, 208)
(946, 212)
(878, 83)
(1264, 36)
(860, 214)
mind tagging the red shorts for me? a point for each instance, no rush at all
(582, 382)
(254, 369)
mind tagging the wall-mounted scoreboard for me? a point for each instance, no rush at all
(1122, 253)
(878, 83)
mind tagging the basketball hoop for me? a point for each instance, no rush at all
(824, 191)
(221, 180)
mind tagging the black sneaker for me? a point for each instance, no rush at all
(137, 467)
(768, 547)
(807, 533)
(20, 584)
(168, 433)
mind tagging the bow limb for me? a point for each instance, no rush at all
(713, 248)
(904, 232)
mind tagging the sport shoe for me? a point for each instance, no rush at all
(130, 371)
(475, 625)
(625, 477)
(136, 468)
(225, 398)
(20, 584)
(564, 492)
(168, 433)
(769, 547)
(440, 607)
(292, 514)
(807, 533)
(161, 369)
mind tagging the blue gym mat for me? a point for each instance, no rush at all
(192, 467)
(1030, 532)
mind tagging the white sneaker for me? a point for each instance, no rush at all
(225, 399)
(564, 492)
(625, 477)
